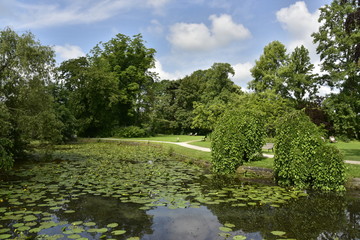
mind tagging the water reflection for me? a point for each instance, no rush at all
(105, 210)
(317, 216)
(180, 224)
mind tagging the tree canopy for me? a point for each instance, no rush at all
(27, 113)
(338, 42)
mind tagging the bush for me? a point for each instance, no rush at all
(238, 137)
(329, 170)
(301, 157)
(130, 132)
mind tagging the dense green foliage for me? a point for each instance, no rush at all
(338, 42)
(237, 138)
(110, 88)
(269, 104)
(195, 102)
(26, 103)
(301, 157)
(130, 132)
(112, 91)
(289, 76)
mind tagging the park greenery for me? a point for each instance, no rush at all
(238, 137)
(113, 92)
(303, 159)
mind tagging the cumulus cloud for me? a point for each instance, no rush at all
(300, 24)
(199, 37)
(68, 52)
(26, 15)
(242, 74)
(166, 75)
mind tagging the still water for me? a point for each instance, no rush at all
(87, 197)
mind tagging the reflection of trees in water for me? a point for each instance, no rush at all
(105, 210)
(319, 216)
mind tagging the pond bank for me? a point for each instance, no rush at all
(129, 190)
(243, 172)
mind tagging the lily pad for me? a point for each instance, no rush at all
(118, 232)
(74, 236)
(69, 211)
(112, 225)
(239, 237)
(278, 233)
(5, 236)
(89, 224)
(225, 229)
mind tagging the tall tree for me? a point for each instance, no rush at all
(112, 87)
(218, 94)
(26, 68)
(266, 70)
(301, 82)
(338, 42)
(130, 60)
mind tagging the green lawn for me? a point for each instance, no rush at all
(351, 150)
(202, 144)
(170, 138)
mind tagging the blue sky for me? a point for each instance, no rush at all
(187, 34)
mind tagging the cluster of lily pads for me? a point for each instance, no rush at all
(142, 175)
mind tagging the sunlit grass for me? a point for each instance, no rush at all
(170, 138)
(351, 150)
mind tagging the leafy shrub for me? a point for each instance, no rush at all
(302, 159)
(130, 132)
(238, 137)
(329, 170)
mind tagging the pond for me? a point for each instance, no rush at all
(117, 191)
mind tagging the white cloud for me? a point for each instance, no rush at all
(68, 52)
(157, 3)
(300, 24)
(199, 37)
(242, 74)
(166, 75)
(26, 15)
(155, 27)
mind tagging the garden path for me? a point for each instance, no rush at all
(204, 149)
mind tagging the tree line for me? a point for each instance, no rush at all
(113, 92)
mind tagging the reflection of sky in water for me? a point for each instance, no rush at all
(189, 223)
(186, 224)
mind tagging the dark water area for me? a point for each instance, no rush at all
(164, 200)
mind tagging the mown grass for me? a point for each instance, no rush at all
(169, 138)
(202, 144)
(352, 170)
(190, 153)
(351, 150)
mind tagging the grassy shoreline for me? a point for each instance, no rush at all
(204, 158)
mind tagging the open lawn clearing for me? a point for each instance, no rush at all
(351, 150)
(206, 144)
(169, 138)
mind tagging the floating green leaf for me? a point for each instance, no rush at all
(118, 232)
(112, 225)
(278, 233)
(5, 236)
(239, 237)
(225, 229)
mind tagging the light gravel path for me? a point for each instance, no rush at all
(204, 149)
(183, 144)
